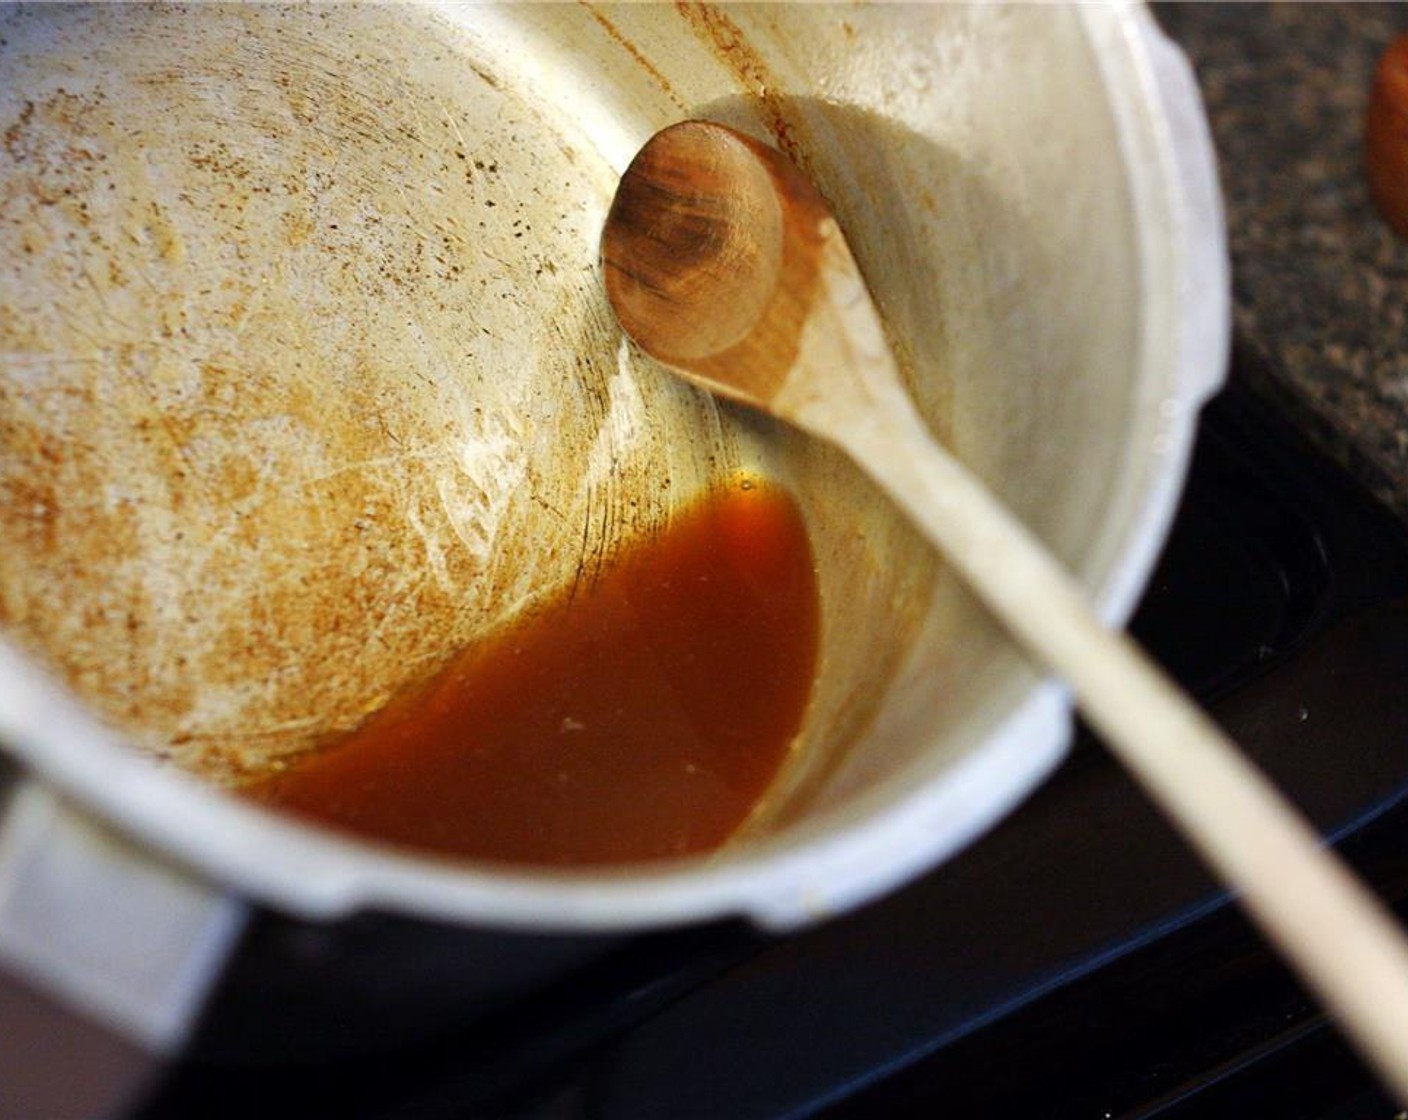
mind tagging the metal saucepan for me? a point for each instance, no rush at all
(306, 378)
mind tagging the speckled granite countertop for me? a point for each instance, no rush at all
(1320, 283)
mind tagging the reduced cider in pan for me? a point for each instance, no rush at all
(641, 714)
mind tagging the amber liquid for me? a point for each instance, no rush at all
(642, 716)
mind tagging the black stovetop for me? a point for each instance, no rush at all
(1075, 962)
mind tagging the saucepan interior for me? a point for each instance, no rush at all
(307, 381)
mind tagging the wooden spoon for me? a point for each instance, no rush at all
(722, 261)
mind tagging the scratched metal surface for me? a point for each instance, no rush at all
(308, 379)
(275, 437)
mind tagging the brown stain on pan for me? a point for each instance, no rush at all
(305, 376)
(637, 55)
(729, 44)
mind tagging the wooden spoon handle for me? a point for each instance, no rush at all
(1343, 942)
